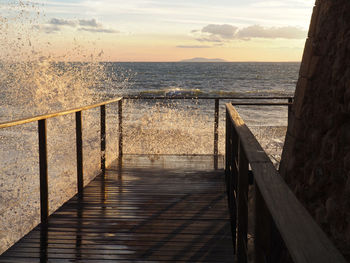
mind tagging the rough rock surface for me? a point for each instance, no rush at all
(316, 155)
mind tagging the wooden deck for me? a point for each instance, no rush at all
(165, 208)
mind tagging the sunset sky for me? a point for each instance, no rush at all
(163, 30)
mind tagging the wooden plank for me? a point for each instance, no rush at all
(305, 240)
(184, 220)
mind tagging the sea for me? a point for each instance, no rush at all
(152, 127)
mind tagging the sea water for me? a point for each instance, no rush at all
(150, 126)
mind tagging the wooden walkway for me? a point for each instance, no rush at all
(169, 208)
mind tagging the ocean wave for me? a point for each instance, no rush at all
(171, 92)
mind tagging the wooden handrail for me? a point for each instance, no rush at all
(276, 205)
(56, 114)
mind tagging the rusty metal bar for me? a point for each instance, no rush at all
(44, 196)
(103, 138)
(79, 143)
(120, 127)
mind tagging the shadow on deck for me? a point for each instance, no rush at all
(164, 208)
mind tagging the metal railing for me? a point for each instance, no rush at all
(280, 219)
(41, 119)
(243, 101)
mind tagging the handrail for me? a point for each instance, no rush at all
(277, 208)
(8, 124)
(41, 119)
(208, 97)
(216, 108)
(56, 114)
(43, 163)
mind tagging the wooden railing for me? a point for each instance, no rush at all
(279, 216)
(41, 119)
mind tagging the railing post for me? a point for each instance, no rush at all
(103, 138)
(290, 100)
(263, 221)
(216, 133)
(79, 143)
(229, 174)
(120, 118)
(44, 196)
(242, 207)
(228, 153)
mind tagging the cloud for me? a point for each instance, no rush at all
(89, 23)
(257, 31)
(209, 39)
(192, 46)
(98, 30)
(48, 29)
(62, 22)
(55, 25)
(225, 33)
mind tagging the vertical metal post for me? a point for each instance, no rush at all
(120, 118)
(103, 138)
(242, 207)
(44, 196)
(290, 100)
(227, 144)
(216, 128)
(79, 142)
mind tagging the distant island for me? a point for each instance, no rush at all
(204, 60)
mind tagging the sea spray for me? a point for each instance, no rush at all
(167, 127)
(32, 82)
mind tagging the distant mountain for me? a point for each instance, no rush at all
(204, 60)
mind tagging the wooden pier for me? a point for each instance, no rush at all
(139, 212)
(175, 208)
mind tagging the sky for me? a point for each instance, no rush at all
(163, 30)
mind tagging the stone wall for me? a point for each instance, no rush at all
(316, 156)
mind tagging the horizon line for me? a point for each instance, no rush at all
(179, 61)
